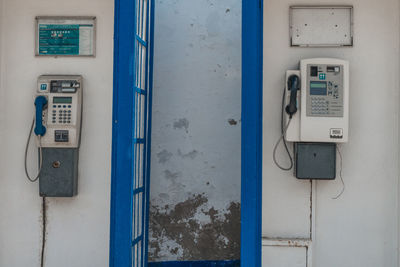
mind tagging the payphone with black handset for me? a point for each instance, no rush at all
(315, 116)
(57, 125)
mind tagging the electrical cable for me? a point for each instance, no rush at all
(282, 137)
(26, 155)
(340, 173)
(44, 223)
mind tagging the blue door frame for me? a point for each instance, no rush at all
(132, 98)
(252, 44)
(122, 232)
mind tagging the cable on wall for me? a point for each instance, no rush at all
(44, 224)
(340, 173)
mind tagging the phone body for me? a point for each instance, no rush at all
(322, 102)
(58, 121)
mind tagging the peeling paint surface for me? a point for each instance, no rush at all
(232, 122)
(217, 238)
(195, 175)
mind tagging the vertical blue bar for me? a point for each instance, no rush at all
(145, 86)
(121, 176)
(252, 41)
(150, 47)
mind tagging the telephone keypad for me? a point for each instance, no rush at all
(319, 106)
(63, 116)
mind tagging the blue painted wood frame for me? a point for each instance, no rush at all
(150, 114)
(123, 133)
(120, 242)
(252, 43)
(121, 181)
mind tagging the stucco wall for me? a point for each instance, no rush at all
(195, 175)
(78, 228)
(361, 227)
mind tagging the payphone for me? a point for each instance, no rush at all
(57, 125)
(315, 116)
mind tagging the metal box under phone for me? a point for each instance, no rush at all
(315, 161)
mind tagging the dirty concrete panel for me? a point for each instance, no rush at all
(195, 175)
(190, 239)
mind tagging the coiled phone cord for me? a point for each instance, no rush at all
(282, 137)
(26, 155)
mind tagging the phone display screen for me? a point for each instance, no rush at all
(318, 88)
(62, 100)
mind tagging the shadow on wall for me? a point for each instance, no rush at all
(190, 239)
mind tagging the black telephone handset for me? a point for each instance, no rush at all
(293, 86)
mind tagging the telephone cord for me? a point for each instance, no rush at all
(282, 137)
(340, 173)
(26, 155)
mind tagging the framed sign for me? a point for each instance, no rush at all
(65, 36)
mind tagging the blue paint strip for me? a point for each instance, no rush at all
(150, 51)
(252, 41)
(235, 263)
(121, 173)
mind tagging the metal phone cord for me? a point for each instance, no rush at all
(26, 155)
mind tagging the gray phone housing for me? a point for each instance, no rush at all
(59, 174)
(315, 161)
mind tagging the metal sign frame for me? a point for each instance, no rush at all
(62, 20)
(322, 21)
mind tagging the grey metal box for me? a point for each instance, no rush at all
(315, 160)
(59, 174)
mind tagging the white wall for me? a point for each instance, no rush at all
(360, 228)
(78, 228)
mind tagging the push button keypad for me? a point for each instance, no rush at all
(319, 106)
(62, 115)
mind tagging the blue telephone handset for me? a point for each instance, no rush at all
(40, 104)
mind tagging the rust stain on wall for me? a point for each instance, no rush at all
(178, 229)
